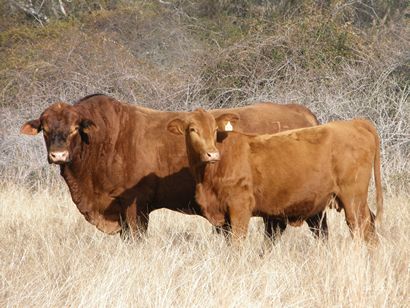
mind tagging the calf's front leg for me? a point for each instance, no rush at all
(240, 218)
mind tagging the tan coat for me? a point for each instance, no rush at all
(292, 175)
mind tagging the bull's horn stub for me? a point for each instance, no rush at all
(228, 127)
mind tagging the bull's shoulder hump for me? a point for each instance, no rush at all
(85, 98)
(102, 100)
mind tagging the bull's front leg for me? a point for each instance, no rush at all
(134, 223)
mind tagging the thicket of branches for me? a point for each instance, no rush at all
(342, 59)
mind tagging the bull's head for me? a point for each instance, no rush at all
(200, 129)
(63, 128)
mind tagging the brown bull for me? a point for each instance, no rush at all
(290, 175)
(120, 163)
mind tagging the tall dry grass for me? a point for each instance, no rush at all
(50, 256)
(180, 56)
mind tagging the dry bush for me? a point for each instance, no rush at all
(179, 56)
(168, 58)
(51, 256)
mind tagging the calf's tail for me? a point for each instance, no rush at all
(378, 181)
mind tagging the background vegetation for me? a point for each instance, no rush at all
(341, 58)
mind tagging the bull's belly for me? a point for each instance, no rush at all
(102, 211)
(106, 224)
(191, 208)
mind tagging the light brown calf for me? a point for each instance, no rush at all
(290, 175)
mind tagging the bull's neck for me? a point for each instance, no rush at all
(77, 173)
(72, 182)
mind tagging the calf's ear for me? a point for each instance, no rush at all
(32, 127)
(86, 125)
(227, 121)
(176, 126)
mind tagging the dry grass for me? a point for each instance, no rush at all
(178, 57)
(51, 256)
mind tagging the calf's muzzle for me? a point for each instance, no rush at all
(211, 156)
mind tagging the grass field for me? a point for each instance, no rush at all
(50, 256)
(342, 59)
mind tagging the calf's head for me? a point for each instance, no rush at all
(63, 129)
(200, 129)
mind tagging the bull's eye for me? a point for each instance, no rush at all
(72, 132)
(193, 130)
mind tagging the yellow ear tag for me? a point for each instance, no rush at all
(228, 127)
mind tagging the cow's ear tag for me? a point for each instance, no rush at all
(228, 127)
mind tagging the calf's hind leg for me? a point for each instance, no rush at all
(318, 225)
(359, 218)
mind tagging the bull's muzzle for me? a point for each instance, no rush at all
(59, 157)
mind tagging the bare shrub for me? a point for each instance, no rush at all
(178, 55)
(168, 57)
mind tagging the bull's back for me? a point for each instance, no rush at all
(269, 118)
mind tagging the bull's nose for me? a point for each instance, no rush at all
(212, 156)
(58, 156)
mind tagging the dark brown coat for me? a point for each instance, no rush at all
(120, 163)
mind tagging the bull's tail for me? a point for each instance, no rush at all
(378, 181)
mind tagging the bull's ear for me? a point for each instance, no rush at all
(86, 125)
(32, 127)
(176, 126)
(227, 122)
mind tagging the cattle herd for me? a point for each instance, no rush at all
(275, 161)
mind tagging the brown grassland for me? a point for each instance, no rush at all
(51, 257)
(342, 59)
